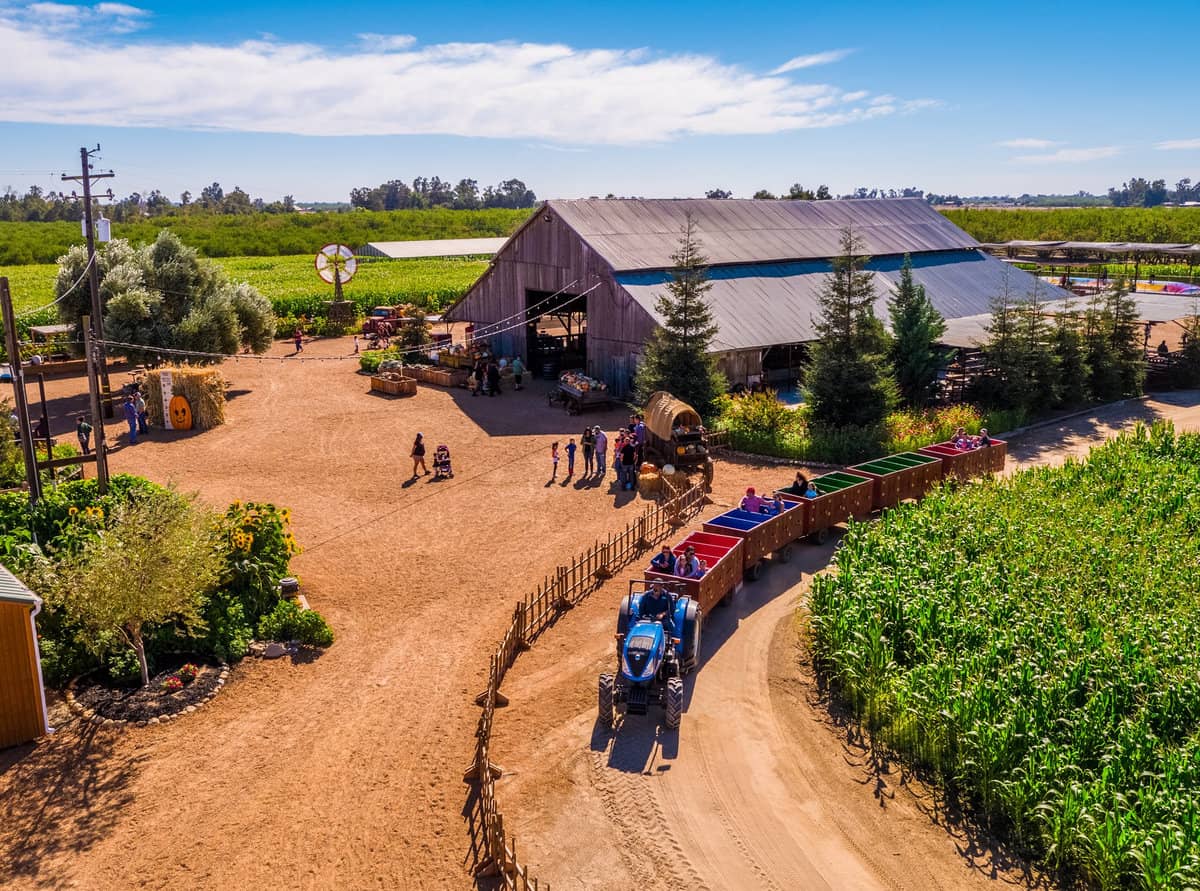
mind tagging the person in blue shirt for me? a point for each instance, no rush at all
(664, 561)
(131, 418)
(571, 447)
(656, 604)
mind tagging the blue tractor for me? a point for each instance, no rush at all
(653, 653)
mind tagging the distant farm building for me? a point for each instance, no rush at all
(596, 267)
(436, 247)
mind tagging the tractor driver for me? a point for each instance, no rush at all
(656, 604)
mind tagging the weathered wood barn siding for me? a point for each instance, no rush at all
(22, 701)
(547, 255)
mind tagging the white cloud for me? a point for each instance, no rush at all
(810, 61)
(1179, 145)
(384, 42)
(118, 18)
(1030, 143)
(1071, 155)
(548, 93)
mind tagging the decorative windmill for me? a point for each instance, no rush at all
(336, 264)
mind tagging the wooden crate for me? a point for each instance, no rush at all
(404, 387)
(443, 377)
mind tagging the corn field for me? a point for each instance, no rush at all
(1035, 643)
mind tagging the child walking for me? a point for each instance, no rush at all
(554, 460)
(571, 447)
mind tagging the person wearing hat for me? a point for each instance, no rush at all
(83, 432)
(656, 604)
(752, 502)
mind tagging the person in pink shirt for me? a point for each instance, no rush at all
(752, 502)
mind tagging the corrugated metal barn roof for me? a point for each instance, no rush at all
(13, 590)
(642, 234)
(765, 304)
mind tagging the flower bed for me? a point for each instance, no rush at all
(181, 687)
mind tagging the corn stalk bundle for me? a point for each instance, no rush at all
(202, 386)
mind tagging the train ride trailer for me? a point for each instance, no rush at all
(762, 534)
(906, 476)
(965, 464)
(841, 496)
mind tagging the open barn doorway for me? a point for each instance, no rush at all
(555, 332)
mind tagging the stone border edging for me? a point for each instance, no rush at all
(90, 715)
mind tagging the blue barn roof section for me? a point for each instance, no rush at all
(763, 304)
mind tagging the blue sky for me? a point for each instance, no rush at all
(578, 99)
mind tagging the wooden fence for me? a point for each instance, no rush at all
(533, 615)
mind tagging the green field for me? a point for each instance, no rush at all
(266, 235)
(1034, 643)
(1162, 225)
(292, 286)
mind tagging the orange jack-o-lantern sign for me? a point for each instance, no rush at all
(181, 413)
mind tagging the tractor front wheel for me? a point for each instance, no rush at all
(606, 700)
(674, 702)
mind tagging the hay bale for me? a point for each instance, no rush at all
(202, 386)
(649, 483)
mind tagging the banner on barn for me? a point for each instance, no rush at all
(164, 378)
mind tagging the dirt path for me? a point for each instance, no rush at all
(345, 771)
(760, 788)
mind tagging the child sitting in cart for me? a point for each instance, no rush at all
(687, 566)
(774, 507)
(442, 469)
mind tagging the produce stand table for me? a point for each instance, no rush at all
(723, 554)
(902, 477)
(577, 401)
(966, 464)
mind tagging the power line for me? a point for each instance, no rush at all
(63, 297)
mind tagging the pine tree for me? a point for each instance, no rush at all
(916, 329)
(1125, 336)
(1187, 367)
(676, 358)
(1069, 352)
(1035, 376)
(1104, 382)
(848, 382)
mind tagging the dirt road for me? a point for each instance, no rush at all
(346, 771)
(761, 787)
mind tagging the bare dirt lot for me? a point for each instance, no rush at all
(345, 771)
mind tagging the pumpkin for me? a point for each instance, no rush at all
(180, 412)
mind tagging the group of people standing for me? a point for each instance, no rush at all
(629, 450)
(136, 416)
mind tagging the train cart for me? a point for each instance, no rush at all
(965, 464)
(903, 477)
(762, 534)
(842, 495)
(723, 554)
(577, 401)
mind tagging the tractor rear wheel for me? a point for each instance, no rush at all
(785, 553)
(674, 702)
(606, 700)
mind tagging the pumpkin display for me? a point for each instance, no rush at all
(180, 411)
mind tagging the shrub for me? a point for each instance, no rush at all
(227, 633)
(288, 622)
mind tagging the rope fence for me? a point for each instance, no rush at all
(533, 615)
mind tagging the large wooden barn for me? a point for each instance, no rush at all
(597, 267)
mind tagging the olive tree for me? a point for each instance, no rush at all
(154, 561)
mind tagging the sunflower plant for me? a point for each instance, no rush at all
(260, 546)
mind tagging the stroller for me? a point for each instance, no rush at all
(442, 468)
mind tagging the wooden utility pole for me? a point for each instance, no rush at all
(89, 229)
(101, 450)
(24, 433)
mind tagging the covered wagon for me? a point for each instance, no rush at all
(675, 435)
